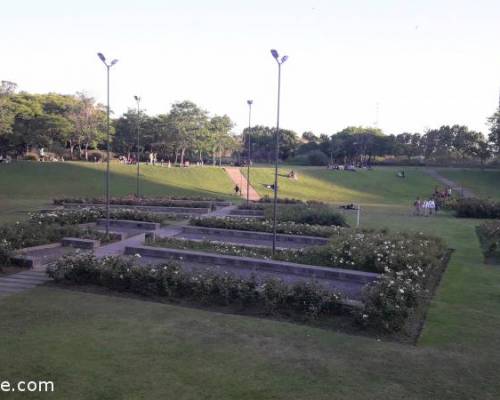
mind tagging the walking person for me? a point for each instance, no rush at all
(237, 190)
(418, 206)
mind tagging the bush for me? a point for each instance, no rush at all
(86, 215)
(489, 235)
(310, 213)
(272, 296)
(96, 155)
(317, 158)
(476, 208)
(282, 200)
(134, 201)
(244, 224)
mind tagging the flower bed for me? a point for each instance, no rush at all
(282, 200)
(28, 234)
(248, 224)
(86, 215)
(410, 265)
(308, 213)
(170, 281)
(139, 201)
(489, 236)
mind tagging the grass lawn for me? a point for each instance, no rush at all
(110, 347)
(378, 186)
(28, 185)
(482, 183)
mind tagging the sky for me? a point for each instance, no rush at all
(406, 66)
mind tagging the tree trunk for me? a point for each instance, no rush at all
(183, 150)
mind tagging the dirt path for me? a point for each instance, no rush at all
(463, 192)
(238, 179)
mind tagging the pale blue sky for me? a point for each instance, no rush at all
(426, 63)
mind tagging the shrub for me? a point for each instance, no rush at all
(317, 158)
(141, 201)
(282, 200)
(248, 224)
(5, 252)
(489, 235)
(476, 208)
(86, 215)
(309, 213)
(272, 296)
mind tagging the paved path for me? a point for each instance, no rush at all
(463, 192)
(14, 283)
(239, 179)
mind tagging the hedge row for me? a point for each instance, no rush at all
(169, 280)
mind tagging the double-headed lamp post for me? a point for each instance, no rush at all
(249, 159)
(138, 160)
(280, 62)
(108, 67)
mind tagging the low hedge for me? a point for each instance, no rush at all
(248, 224)
(408, 264)
(28, 234)
(489, 236)
(86, 215)
(308, 213)
(193, 202)
(476, 208)
(169, 280)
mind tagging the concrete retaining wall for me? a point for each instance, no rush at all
(149, 226)
(78, 243)
(156, 209)
(309, 240)
(254, 264)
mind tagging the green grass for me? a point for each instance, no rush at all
(378, 186)
(28, 186)
(108, 347)
(482, 183)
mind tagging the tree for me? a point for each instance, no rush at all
(89, 121)
(494, 134)
(186, 120)
(218, 138)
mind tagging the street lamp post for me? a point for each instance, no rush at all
(249, 102)
(108, 67)
(280, 62)
(138, 160)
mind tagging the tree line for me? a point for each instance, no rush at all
(73, 126)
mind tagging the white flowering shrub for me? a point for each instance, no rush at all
(163, 201)
(85, 215)
(249, 224)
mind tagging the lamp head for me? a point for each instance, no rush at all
(249, 102)
(113, 62)
(283, 59)
(101, 57)
(275, 54)
(137, 98)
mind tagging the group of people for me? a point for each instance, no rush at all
(432, 205)
(348, 167)
(425, 208)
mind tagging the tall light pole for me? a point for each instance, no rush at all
(280, 62)
(249, 136)
(138, 160)
(108, 67)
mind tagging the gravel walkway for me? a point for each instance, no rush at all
(239, 179)
(463, 192)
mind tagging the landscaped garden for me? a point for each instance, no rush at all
(190, 338)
